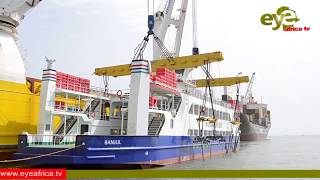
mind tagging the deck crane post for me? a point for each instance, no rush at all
(195, 49)
(138, 104)
(249, 89)
(163, 20)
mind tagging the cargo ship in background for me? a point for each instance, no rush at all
(255, 117)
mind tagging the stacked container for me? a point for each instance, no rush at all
(73, 83)
(165, 76)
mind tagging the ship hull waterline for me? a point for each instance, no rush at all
(251, 131)
(129, 150)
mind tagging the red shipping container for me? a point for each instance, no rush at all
(67, 81)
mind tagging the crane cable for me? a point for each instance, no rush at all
(165, 52)
(236, 118)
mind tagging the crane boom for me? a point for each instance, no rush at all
(164, 19)
(28, 4)
(13, 11)
(226, 81)
(176, 63)
(179, 24)
(248, 92)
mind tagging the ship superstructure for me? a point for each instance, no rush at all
(103, 132)
(162, 118)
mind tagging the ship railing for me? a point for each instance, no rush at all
(200, 95)
(95, 90)
(103, 92)
(56, 140)
(70, 108)
(73, 86)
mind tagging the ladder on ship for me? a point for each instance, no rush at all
(177, 102)
(156, 125)
(94, 104)
(70, 122)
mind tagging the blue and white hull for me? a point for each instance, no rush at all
(124, 150)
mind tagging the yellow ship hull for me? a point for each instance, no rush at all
(19, 110)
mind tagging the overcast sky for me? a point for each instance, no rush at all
(84, 34)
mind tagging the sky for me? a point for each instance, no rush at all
(82, 35)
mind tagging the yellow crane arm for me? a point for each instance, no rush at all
(120, 70)
(227, 81)
(183, 62)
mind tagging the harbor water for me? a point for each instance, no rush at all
(277, 152)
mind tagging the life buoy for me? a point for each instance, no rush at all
(119, 93)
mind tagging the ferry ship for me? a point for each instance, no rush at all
(159, 121)
(162, 118)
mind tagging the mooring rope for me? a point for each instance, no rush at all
(39, 156)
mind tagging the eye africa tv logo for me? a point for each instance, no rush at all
(284, 17)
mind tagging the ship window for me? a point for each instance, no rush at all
(84, 128)
(190, 132)
(115, 110)
(206, 133)
(48, 127)
(210, 133)
(105, 111)
(217, 114)
(124, 132)
(196, 132)
(114, 132)
(171, 123)
(196, 109)
(191, 109)
(205, 111)
(125, 115)
(159, 103)
(210, 112)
